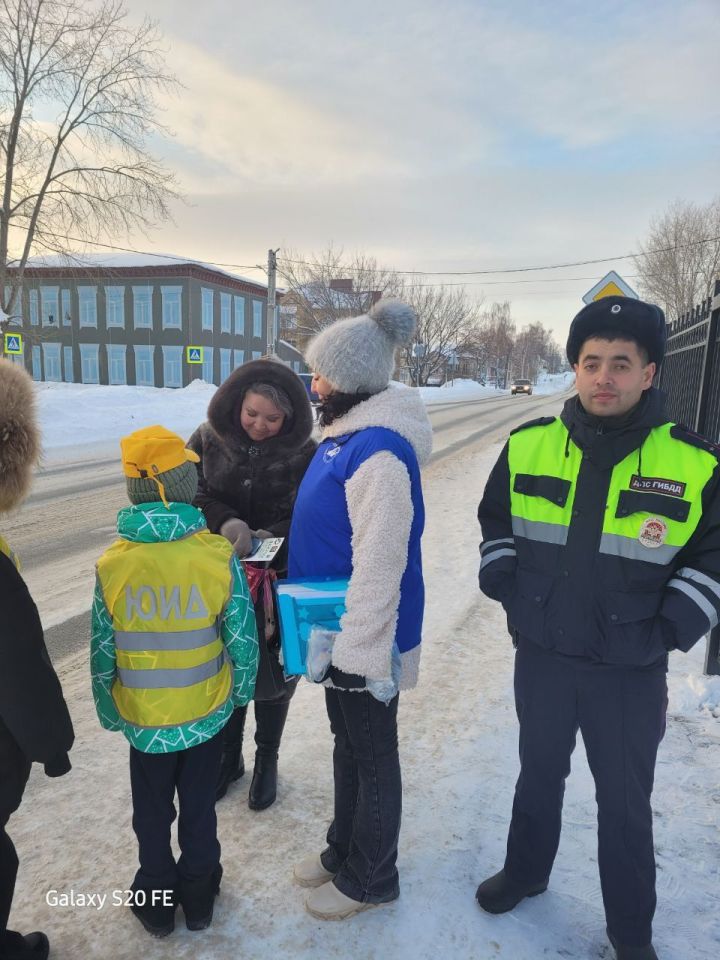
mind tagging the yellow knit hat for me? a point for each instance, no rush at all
(152, 451)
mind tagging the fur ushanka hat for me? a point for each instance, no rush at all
(19, 434)
(357, 354)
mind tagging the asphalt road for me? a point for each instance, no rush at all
(69, 519)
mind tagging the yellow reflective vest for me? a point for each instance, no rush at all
(165, 600)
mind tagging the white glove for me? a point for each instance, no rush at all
(238, 533)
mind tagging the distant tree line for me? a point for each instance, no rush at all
(457, 335)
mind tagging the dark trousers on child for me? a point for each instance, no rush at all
(363, 837)
(14, 772)
(154, 779)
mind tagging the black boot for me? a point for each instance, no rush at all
(32, 946)
(499, 894)
(632, 953)
(152, 909)
(197, 898)
(232, 766)
(270, 718)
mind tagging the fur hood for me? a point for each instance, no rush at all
(19, 434)
(397, 408)
(223, 409)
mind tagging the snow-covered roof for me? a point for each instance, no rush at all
(129, 260)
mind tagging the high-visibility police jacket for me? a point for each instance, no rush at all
(601, 536)
(174, 646)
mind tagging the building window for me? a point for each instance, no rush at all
(115, 307)
(238, 358)
(171, 308)
(256, 354)
(239, 306)
(90, 371)
(87, 298)
(51, 359)
(257, 318)
(68, 373)
(207, 308)
(116, 356)
(36, 363)
(66, 314)
(144, 365)
(225, 299)
(225, 357)
(49, 307)
(142, 307)
(172, 366)
(34, 312)
(207, 365)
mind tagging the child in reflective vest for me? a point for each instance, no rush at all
(173, 651)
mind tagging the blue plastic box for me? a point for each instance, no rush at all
(302, 604)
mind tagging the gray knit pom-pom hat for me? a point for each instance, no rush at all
(357, 354)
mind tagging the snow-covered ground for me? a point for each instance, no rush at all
(459, 755)
(81, 420)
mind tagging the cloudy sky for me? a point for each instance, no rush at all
(440, 135)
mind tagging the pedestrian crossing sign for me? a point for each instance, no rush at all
(195, 354)
(13, 343)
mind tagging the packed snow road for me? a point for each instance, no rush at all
(458, 744)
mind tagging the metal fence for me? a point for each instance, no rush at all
(690, 377)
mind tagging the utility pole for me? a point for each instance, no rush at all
(272, 271)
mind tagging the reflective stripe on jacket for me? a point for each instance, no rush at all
(165, 601)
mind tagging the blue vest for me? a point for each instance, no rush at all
(321, 535)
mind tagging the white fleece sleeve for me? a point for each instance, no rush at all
(381, 514)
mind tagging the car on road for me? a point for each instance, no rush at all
(521, 386)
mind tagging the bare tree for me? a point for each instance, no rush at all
(680, 260)
(323, 288)
(78, 89)
(447, 318)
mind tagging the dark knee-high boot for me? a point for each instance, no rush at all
(270, 717)
(232, 766)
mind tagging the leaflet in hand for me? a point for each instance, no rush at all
(262, 551)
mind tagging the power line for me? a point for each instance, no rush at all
(168, 256)
(551, 266)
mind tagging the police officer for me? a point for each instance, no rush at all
(601, 538)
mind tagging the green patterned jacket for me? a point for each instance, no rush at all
(153, 523)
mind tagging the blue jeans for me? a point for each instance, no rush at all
(363, 837)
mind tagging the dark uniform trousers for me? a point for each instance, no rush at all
(620, 712)
(14, 772)
(154, 778)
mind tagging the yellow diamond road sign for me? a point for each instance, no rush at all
(13, 343)
(611, 285)
(194, 354)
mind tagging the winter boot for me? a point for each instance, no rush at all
(32, 946)
(232, 766)
(310, 872)
(270, 719)
(153, 912)
(632, 953)
(499, 893)
(328, 903)
(197, 898)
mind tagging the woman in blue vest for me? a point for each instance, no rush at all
(359, 515)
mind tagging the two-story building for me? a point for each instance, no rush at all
(130, 319)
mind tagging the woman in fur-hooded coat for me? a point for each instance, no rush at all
(359, 515)
(35, 724)
(249, 487)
